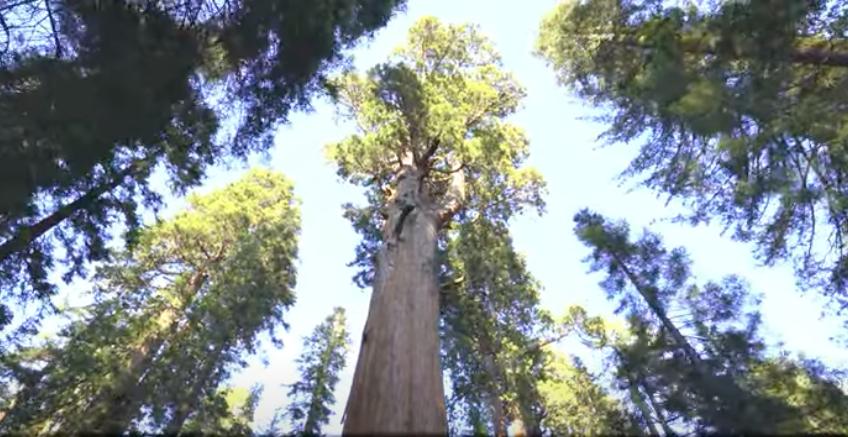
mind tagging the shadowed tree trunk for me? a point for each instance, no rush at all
(638, 400)
(26, 235)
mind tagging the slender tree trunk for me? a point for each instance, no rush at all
(820, 55)
(496, 404)
(741, 414)
(638, 399)
(657, 409)
(397, 384)
(26, 235)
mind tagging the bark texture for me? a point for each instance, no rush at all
(397, 385)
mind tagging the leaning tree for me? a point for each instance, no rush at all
(738, 107)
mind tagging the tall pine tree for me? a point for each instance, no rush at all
(96, 95)
(690, 350)
(738, 109)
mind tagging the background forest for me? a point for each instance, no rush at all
(638, 211)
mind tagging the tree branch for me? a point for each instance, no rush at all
(53, 29)
(26, 235)
(7, 32)
(434, 145)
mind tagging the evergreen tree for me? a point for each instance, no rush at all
(432, 150)
(170, 318)
(738, 108)
(816, 391)
(576, 404)
(95, 95)
(492, 328)
(229, 412)
(691, 348)
(322, 359)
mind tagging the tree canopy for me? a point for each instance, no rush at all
(94, 96)
(737, 107)
(432, 150)
(694, 351)
(170, 319)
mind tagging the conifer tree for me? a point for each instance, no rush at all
(690, 350)
(169, 318)
(322, 359)
(492, 327)
(432, 150)
(738, 109)
(96, 95)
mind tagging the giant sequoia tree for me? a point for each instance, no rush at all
(738, 106)
(96, 94)
(433, 149)
(170, 318)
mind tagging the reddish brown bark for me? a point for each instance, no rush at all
(397, 385)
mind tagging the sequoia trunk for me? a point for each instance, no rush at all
(397, 385)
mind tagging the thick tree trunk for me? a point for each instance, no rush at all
(397, 385)
(119, 405)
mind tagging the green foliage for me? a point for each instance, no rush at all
(693, 351)
(93, 102)
(320, 362)
(737, 106)
(437, 105)
(817, 392)
(229, 412)
(435, 111)
(170, 318)
(491, 329)
(577, 405)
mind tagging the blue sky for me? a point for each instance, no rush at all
(579, 174)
